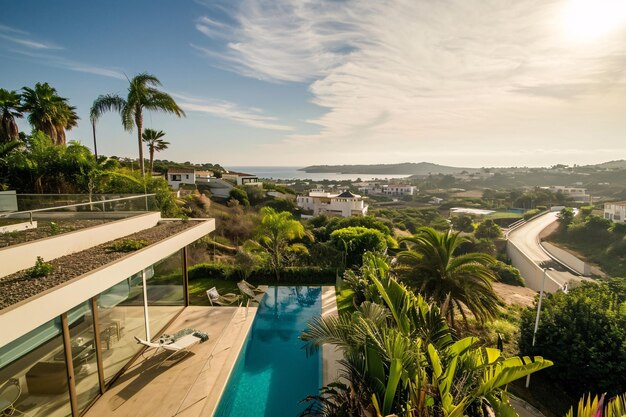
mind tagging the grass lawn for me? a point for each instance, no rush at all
(198, 287)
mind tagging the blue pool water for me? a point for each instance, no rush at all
(273, 373)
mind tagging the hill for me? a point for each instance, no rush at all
(619, 164)
(407, 168)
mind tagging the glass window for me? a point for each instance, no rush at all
(164, 282)
(121, 317)
(80, 320)
(33, 374)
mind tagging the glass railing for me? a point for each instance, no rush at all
(79, 205)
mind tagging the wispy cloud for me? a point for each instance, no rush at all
(408, 70)
(68, 64)
(44, 53)
(24, 38)
(226, 110)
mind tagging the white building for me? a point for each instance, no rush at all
(178, 176)
(395, 190)
(615, 212)
(345, 204)
(93, 318)
(239, 178)
(577, 194)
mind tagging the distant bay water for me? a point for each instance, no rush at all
(292, 173)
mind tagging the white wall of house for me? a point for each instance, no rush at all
(332, 204)
(175, 179)
(238, 179)
(615, 212)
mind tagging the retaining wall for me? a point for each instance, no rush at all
(568, 259)
(530, 271)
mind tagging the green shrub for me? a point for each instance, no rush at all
(508, 274)
(355, 241)
(303, 275)
(488, 229)
(54, 229)
(41, 269)
(128, 245)
(241, 196)
(531, 213)
(584, 333)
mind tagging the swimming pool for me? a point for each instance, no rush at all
(273, 373)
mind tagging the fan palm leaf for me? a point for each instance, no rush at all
(142, 95)
(454, 282)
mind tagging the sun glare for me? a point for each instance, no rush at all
(586, 20)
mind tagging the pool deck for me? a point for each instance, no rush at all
(330, 354)
(188, 387)
(193, 385)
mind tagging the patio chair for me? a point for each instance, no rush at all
(9, 394)
(181, 345)
(223, 300)
(250, 292)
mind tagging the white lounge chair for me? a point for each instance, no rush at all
(216, 298)
(9, 394)
(181, 345)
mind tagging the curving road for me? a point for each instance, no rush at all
(526, 238)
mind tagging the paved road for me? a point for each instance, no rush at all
(526, 238)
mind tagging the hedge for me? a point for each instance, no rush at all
(292, 275)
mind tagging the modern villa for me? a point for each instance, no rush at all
(343, 204)
(69, 341)
(65, 337)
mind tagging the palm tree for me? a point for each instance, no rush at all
(399, 358)
(11, 108)
(49, 112)
(142, 94)
(155, 143)
(455, 283)
(275, 235)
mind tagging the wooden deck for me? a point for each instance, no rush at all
(190, 386)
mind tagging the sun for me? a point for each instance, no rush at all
(587, 20)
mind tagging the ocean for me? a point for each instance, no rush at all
(290, 173)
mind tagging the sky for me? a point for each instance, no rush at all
(299, 82)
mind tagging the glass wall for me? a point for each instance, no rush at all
(121, 318)
(33, 374)
(83, 345)
(33, 371)
(166, 298)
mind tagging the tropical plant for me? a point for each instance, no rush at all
(275, 237)
(399, 358)
(155, 143)
(142, 95)
(455, 283)
(11, 109)
(596, 407)
(48, 112)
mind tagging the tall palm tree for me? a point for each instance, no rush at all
(275, 237)
(100, 105)
(49, 112)
(142, 94)
(454, 282)
(11, 108)
(155, 143)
